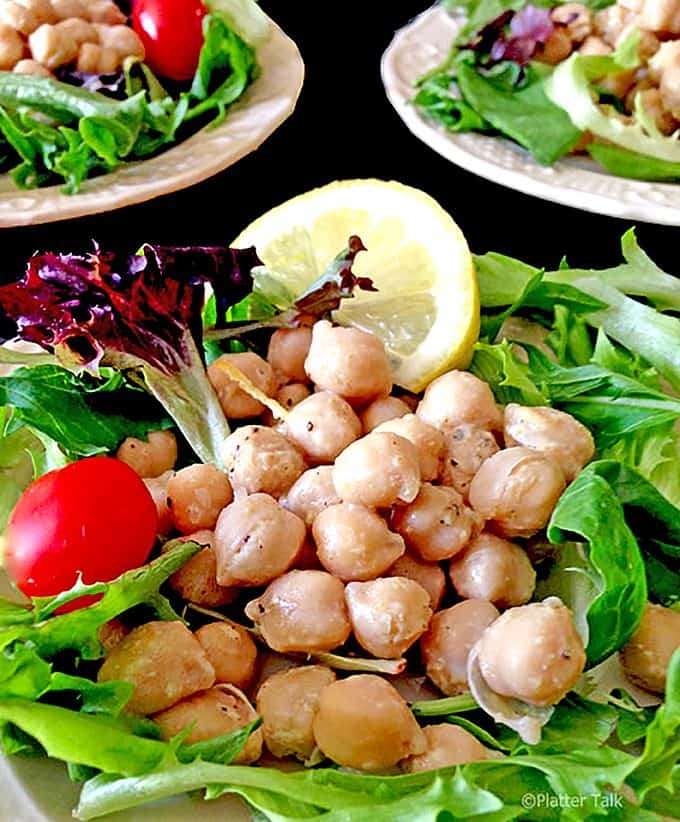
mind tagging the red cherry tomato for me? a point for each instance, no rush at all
(172, 33)
(94, 517)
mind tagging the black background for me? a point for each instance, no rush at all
(344, 127)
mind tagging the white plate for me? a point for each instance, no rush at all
(267, 103)
(424, 44)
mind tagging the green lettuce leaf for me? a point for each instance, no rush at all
(608, 403)
(77, 630)
(224, 52)
(656, 524)
(662, 742)
(642, 330)
(590, 510)
(436, 96)
(634, 166)
(524, 113)
(638, 275)
(490, 790)
(85, 416)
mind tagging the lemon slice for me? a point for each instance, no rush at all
(426, 309)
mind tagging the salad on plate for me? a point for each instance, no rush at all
(594, 79)
(85, 88)
(345, 521)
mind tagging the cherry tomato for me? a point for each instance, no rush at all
(94, 517)
(172, 33)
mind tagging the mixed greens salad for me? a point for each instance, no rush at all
(560, 79)
(75, 125)
(126, 341)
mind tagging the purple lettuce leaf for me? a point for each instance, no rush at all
(514, 36)
(112, 85)
(141, 314)
(336, 284)
(139, 306)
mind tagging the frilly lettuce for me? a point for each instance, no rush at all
(569, 87)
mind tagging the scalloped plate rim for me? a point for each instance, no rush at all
(421, 45)
(269, 101)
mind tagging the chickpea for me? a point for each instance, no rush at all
(363, 723)
(647, 654)
(652, 102)
(288, 702)
(151, 458)
(287, 352)
(220, 710)
(112, 633)
(94, 59)
(165, 663)
(158, 488)
(196, 495)
(30, 67)
(41, 10)
(495, 569)
(322, 426)
(448, 641)
(517, 489)
(121, 39)
(658, 15)
(11, 47)
(79, 30)
(105, 11)
(552, 433)
(428, 442)
(437, 524)
(447, 745)
(556, 48)
(289, 396)
(256, 540)
(231, 652)
(302, 611)
(532, 653)
(382, 410)
(51, 47)
(465, 449)
(259, 459)
(354, 543)
(65, 9)
(388, 615)
(595, 47)
(664, 67)
(427, 574)
(575, 18)
(236, 404)
(311, 493)
(196, 580)
(459, 398)
(379, 470)
(17, 17)
(348, 362)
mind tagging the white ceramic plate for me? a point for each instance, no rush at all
(267, 103)
(424, 44)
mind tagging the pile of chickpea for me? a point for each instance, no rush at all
(655, 83)
(40, 36)
(344, 519)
